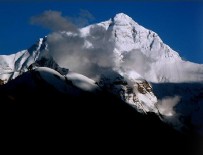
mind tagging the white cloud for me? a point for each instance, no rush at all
(53, 20)
(166, 105)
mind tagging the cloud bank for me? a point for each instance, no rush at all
(70, 50)
(54, 21)
(137, 61)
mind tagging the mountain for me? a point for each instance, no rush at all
(120, 57)
(43, 106)
(161, 63)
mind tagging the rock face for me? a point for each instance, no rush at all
(126, 60)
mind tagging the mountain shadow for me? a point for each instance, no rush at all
(35, 111)
(185, 101)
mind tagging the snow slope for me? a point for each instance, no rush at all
(67, 83)
(10, 65)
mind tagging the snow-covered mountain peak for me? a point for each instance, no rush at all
(142, 50)
(122, 16)
(129, 35)
(122, 19)
(133, 48)
(121, 57)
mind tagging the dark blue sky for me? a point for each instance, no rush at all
(179, 24)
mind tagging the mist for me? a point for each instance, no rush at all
(135, 60)
(71, 50)
(167, 104)
(83, 18)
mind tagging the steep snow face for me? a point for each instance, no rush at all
(35, 53)
(160, 63)
(14, 65)
(10, 65)
(144, 52)
(129, 35)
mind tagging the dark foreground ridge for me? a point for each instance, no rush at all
(90, 122)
